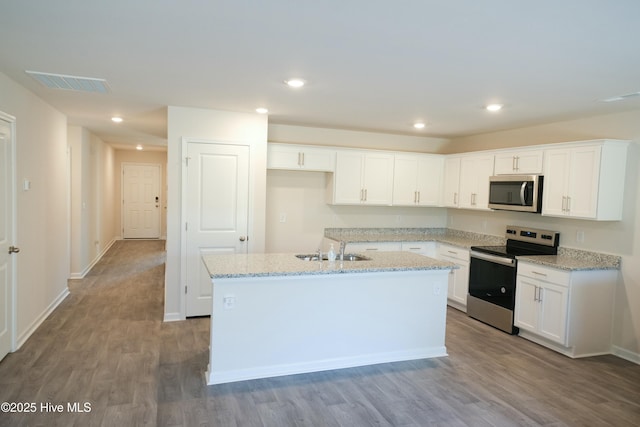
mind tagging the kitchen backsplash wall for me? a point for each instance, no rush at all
(297, 213)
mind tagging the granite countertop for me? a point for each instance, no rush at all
(263, 265)
(463, 239)
(575, 260)
(567, 258)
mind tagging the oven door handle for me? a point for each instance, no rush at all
(509, 262)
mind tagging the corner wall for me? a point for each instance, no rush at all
(615, 237)
(92, 196)
(211, 125)
(43, 211)
(300, 196)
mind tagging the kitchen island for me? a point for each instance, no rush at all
(275, 314)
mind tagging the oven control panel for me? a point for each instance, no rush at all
(533, 235)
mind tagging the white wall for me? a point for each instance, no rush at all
(43, 211)
(92, 197)
(210, 125)
(140, 157)
(616, 237)
(355, 139)
(301, 196)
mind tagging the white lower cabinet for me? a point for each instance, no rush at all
(458, 278)
(568, 311)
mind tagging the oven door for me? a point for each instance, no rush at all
(493, 279)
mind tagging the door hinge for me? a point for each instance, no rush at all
(185, 289)
(186, 159)
(186, 226)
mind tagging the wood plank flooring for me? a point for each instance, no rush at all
(107, 345)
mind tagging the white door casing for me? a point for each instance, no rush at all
(141, 204)
(7, 235)
(216, 213)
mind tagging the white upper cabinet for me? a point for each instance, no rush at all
(362, 177)
(474, 181)
(585, 180)
(451, 191)
(417, 180)
(525, 162)
(300, 157)
(466, 181)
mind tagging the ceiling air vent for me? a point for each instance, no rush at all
(80, 84)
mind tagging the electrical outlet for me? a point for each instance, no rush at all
(229, 302)
(283, 217)
(580, 236)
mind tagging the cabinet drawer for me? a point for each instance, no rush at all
(374, 246)
(422, 248)
(538, 272)
(454, 252)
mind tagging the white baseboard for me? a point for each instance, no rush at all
(172, 317)
(626, 354)
(83, 273)
(43, 316)
(221, 377)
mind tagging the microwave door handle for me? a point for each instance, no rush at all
(523, 191)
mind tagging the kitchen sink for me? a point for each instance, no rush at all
(347, 257)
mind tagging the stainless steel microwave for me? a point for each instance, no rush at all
(521, 193)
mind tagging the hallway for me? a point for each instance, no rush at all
(107, 346)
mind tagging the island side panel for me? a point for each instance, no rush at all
(271, 326)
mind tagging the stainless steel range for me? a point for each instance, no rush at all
(492, 274)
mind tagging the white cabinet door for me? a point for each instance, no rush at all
(458, 278)
(572, 182)
(451, 196)
(541, 306)
(300, 157)
(363, 177)
(519, 162)
(556, 181)
(347, 188)
(584, 175)
(526, 307)
(378, 179)
(553, 301)
(405, 176)
(474, 181)
(429, 180)
(417, 180)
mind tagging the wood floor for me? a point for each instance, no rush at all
(107, 345)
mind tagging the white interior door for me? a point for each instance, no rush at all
(141, 210)
(7, 252)
(216, 210)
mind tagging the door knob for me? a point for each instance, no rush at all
(242, 238)
(13, 250)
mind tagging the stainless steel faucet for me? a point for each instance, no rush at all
(343, 245)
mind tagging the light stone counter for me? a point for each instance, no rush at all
(575, 260)
(458, 238)
(263, 265)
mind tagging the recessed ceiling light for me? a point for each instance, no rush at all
(116, 119)
(419, 125)
(494, 107)
(139, 147)
(295, 83)
(261, 110)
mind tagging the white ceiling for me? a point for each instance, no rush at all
(370, 64)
